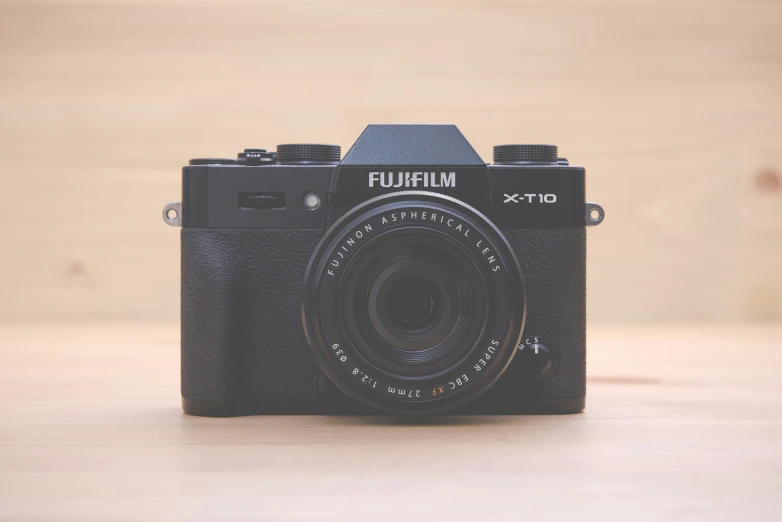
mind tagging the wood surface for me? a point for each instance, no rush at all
(674, 107)
(681, 424)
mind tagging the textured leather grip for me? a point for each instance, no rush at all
(242, 336)
(554, 266)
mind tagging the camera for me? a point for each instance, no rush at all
(408, 276)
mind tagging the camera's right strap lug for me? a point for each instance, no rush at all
(594, 214)
(172, 214)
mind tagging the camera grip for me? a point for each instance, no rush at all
(242, 338)
(208, 333)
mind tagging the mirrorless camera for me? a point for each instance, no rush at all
(407, 277)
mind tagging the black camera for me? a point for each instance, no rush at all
(408, 277)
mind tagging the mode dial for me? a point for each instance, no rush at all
(513, 154)
(308, 153)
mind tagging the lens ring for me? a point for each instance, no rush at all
(387, 224)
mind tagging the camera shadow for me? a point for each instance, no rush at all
(421, 420)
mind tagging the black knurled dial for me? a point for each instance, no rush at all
(308, 153)
(260, 201)
(518, 153)
(212, 161)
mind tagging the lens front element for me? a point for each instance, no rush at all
(413, 302)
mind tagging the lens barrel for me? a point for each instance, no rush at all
(413, 303)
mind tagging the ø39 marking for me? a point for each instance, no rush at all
(449, 385)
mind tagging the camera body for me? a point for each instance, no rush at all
(262, 237)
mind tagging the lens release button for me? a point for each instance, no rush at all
(540, 356)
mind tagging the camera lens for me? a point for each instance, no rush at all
(413, 302)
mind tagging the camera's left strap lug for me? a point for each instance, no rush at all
(172, 214)
(594, 214)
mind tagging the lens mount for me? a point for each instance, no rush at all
(413, 302)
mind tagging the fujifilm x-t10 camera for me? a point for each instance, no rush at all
(408, 276)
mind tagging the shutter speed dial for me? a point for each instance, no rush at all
(522, 154)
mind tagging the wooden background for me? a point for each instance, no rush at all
(674, 107)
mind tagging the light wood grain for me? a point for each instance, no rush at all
(681, 424)
(674, 107)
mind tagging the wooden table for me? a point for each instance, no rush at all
(681, 424)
